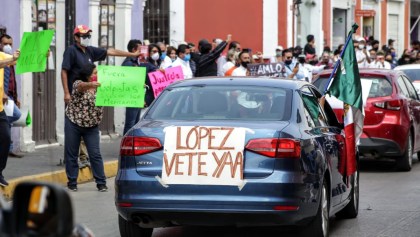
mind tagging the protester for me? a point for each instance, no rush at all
(310, 46)
(308, 69)
(222, 58)
(380, 61)
(183, 60)
(277, 58)
(375, 45)
(235, 45)
(82, 120)
(258, 58)
(171, 52)
(167, 57)
(337, 53)
(244, 59)
(296, 51)
(191, 46)
(5, 60)
(292, 69)
(362, 55)
(10, 87)
(192, 62)
(389, 59)
(230, 65)
(372, 54)
(78, 55)
(206, 64)
(405, 58)
(326, 61)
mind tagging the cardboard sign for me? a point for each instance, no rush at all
(203, 155)
(262, 69)
(161, 80)
(121, 86)
(33, 51)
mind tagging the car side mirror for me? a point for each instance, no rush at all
(41, 209)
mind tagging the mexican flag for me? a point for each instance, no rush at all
(347, 87)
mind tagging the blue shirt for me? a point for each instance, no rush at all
(74, 59)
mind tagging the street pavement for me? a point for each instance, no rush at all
(45, 163)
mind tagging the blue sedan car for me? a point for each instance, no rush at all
(234, 152)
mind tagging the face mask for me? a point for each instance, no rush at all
(244, 64)
(155, 56)
(162, 57)
(173, 59)
(94, 78)
(8, 49)
(301, 60)
(368, 48)
(361, 46)
(393, 55)
(187, 57)
(84, 42)
(288, 62)
(313, 62)
(278, 54)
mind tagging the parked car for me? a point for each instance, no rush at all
(392, 115)
(413, 73)
(234, 152)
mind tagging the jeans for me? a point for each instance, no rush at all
(132, 116)
(73, 134)
(4, 141)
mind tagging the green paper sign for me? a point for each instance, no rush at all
(33, 51)
(121, 86)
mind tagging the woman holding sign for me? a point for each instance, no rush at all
(83, 118)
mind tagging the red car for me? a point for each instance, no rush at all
(392, 115)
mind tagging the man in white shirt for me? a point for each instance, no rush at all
(362, 56)
(244, 60)
(183, 60)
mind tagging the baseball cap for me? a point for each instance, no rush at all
(279, 48)
(81, 29)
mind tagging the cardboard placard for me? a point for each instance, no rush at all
(203, 155)
(161, 80)
(263, 69)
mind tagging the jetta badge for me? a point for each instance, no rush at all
(144, 163)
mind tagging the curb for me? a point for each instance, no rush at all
(59, 177)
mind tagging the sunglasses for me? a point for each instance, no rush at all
(289, 57)
(85, 36)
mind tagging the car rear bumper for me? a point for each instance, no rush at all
(152, 205)
(379, 147)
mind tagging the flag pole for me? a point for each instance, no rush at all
(330, 79)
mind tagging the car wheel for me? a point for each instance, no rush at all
(405, 162)
(319, 227)
(351, 210)
(129, 229)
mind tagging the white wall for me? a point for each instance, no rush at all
(176, 22)
(270, 27)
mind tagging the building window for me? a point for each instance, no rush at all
(107, 28)
(156, 21)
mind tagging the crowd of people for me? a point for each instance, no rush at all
(210, 58)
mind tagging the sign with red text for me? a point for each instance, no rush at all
(161, 80)
(203, 155)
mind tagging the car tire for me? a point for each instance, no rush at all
(351, 210)
(319, 227)
(129, 229)
(405, 162)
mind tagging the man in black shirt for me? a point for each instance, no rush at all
(78, 55)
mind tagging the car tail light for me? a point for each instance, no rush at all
(286, 208)
(135, 146)
(390, 104)
(275, 148)
(125, 204)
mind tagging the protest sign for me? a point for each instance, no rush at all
(161, 80)
(203, 155)
(33, 51)
(262, 69)
(121, 86)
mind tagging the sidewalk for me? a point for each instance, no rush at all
(44, 165)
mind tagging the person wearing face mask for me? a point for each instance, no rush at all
(405, 58)
(388, 58)
(278, 58)
(75, 57)
(362, 56)
(5, 60)
(380, 61)
(244, 59)
(230, 65)
(291, 68)
(10, 86)
(206, 63)
(183, 60)
(164, 56)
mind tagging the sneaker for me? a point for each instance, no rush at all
(72, 187)
(3, 182)
(102, 187)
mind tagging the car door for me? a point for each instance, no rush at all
(326, 137)
(414, 105)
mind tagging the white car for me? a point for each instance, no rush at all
(413, 73)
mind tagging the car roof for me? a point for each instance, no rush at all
(408, 66)
(368, 71)
(242, 81)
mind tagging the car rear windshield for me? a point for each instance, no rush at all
(413, 74)
(222, 103)
(379, 87)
